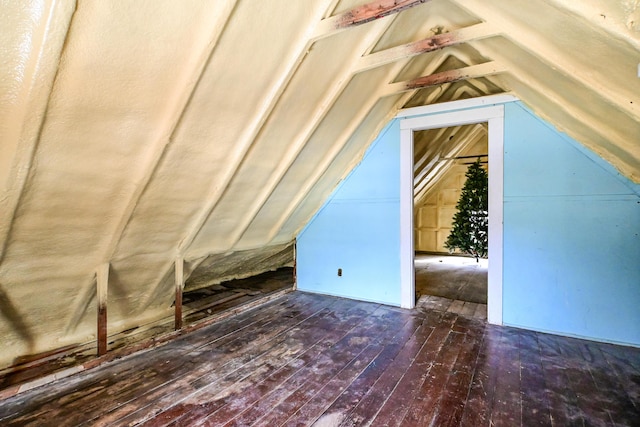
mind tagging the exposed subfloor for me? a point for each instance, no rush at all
(198, 306)
(451, 277)
(201, 303)
(305, 359)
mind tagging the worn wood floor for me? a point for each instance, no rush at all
(452, 277)
(198, 305)
(306, 359)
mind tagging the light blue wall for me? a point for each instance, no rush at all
(358, 230)
(571, 236)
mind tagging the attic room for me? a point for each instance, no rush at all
(156, 152)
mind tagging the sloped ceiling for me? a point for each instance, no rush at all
(437, 150)
(135, 132)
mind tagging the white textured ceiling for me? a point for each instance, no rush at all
(137, 131)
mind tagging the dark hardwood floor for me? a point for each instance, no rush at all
(307, 359)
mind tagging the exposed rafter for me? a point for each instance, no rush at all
(361, 15)
(299, 51)
(324, 165)
(594, 124)
(135, 137)
(430, 149)
(436, 152)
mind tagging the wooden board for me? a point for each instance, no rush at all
(305, 359)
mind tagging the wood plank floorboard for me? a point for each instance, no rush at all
(307, 359)
(325, 329)
(535, 407)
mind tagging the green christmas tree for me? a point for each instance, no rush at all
(470, 231)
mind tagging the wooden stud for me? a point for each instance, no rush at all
(179, 276)
(102, 282)
(295, 264)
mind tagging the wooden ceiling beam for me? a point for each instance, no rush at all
(450, 76)
(361, 15)
(374, 10)
(430, 44)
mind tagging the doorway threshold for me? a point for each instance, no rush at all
(462, 308)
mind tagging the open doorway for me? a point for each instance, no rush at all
(458, 113)
(445, 279)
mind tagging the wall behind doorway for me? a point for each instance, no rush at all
(433, 213)
(571, 234)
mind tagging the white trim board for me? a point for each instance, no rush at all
(446, 115)
(457, 105)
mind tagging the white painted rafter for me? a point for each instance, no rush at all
(429, 152)
(429, 44)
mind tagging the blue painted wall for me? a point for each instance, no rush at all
(358, 230)
(571, 236)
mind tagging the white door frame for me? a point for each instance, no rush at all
(477, 110)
